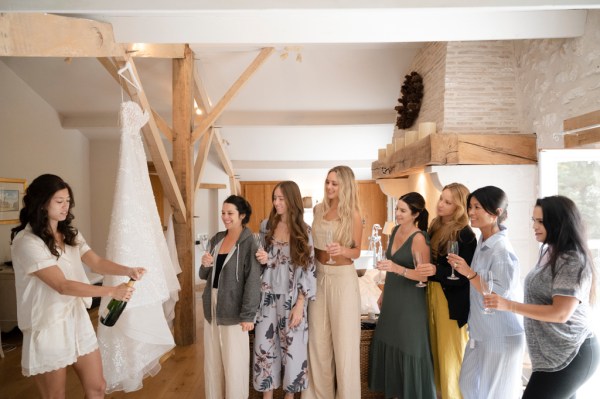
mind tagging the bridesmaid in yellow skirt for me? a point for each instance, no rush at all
(448, 292)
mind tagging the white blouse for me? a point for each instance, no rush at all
(39, 305)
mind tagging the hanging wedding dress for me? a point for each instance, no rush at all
(132, 348)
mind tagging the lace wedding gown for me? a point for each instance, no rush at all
(132, 348)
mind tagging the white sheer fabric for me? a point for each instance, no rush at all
(132, 348)
(169, 305)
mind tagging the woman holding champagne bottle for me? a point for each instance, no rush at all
(400, 357)
(493, 358)
(53, 290)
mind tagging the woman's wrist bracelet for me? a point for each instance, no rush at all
(472, 277)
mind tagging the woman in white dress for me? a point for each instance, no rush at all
(53, 290)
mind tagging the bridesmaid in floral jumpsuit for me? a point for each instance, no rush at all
(288, 283)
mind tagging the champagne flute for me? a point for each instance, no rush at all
(329, 242)
(259, 241)
(205, 244)
(380, 279)
(487, 286)
(452, 249)
(417, 260)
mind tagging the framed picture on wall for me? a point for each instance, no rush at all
(11, 198)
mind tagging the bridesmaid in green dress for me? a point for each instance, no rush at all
(400, 362)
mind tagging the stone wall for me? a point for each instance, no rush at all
(430, 63)
(520, 86)
(559, 79)
(480, 95)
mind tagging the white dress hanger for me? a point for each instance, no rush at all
(133, 81)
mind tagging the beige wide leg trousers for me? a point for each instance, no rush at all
(334, 335)
(226, 358)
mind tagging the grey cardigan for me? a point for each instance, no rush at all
(239, 281)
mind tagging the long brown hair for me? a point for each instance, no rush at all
(441, 233)
(35, 213)
(299, 248)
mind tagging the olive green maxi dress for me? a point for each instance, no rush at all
(400, 363)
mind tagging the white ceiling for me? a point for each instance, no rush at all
(354, 55)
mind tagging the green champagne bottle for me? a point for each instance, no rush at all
(113, 311)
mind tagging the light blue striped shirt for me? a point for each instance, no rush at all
(495, 254)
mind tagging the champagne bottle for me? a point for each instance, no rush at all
(113, 311)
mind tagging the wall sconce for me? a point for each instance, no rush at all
(307, 202)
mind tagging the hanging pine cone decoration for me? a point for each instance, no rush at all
(410, 103)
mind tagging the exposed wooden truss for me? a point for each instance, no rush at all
(209, 120)
(48, 35)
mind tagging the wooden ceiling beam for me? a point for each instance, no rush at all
(225, 161)
(49, 35)
(200, 95)
(163, 126)
(155, 50)
(209, 120)
(152, 137)
(185, 309)
(203, 151)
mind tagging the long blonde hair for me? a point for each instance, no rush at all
(347, 205)
(441, 233)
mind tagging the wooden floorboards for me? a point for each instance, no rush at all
(181, 375)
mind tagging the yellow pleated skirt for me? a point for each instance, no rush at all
(447, 343)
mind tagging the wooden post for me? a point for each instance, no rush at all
(185, 314)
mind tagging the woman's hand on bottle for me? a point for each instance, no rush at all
(247, 326)
(207, 259)
(136, 273)
(122, 292)
(459, 264)
(262, 256)
(426, 269)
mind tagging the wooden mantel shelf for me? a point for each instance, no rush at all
(457, 149)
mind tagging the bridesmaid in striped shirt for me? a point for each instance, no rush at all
(493, 360)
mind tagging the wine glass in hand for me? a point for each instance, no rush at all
(417, 260)
(452, 249)
(487, 286)
(204, 242)
(259, 242)
(329, 242)
(380, 278)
